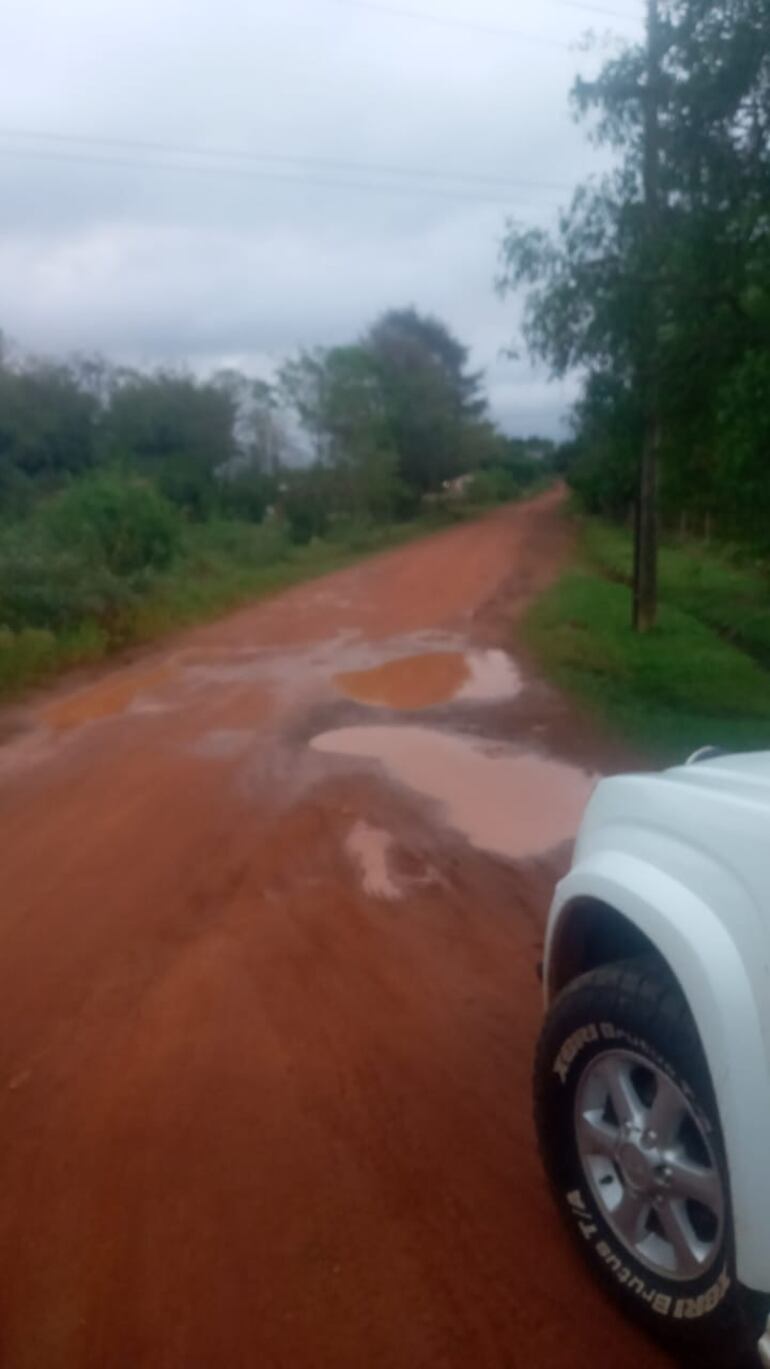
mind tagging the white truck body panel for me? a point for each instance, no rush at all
(685, 857)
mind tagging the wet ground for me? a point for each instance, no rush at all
(272, 903)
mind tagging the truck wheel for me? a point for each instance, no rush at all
(630, 1138)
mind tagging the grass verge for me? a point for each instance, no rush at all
(719, 586)
(700, 678)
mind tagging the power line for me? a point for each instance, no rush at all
(483, 27)
(474, 26)
(256, 176)
(443, 21)
(595, 9)
(212, 154)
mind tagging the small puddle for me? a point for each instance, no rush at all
(509, 803)
(369, 848)
(415, 682)
(224, 744)
(411, 682)
(492, 676)
(106, 699)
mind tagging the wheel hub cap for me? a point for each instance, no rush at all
(635, 1166)
(648, 1159)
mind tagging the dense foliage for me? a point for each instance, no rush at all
(116, 484)
(606, 296)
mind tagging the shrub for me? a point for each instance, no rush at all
(306, 516)
(25, 656)
(189, 485)
(247, 495)
(237, 544)
(493, 486)
(45, 586)
(123, 525)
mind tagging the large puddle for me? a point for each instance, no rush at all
(509, 803)
(415, 682)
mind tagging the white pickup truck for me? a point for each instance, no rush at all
(652, 1079)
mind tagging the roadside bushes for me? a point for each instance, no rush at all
(495, 485)
(499, 484)
(83, 558)
(123, 525)
(43, 585)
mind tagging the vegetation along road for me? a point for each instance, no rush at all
(272, 906)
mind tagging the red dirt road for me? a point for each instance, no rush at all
(267, 1016)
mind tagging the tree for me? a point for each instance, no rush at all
(590, 286)
(47, 425)
(339, 399)
(430, 396)
(260, 439)
(179, 431)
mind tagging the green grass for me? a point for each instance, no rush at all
(731, 595)
(685, 685)
(221, 566)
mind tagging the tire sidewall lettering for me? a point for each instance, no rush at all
(667, 1302)
(608, 1034)
(660, 1301)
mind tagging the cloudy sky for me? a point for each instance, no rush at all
(219, 181)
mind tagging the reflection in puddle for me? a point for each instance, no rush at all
(369, 847)
(493, 676)
(505, 802)
(414, 682)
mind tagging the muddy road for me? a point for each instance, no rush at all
(272, 902)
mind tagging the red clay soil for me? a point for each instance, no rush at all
(253, 1116)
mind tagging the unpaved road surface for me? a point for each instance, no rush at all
(272, 901)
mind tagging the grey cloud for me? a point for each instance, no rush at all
(157, 262)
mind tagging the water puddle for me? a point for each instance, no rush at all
(369, 848)
(106, 700)
(493, 676)
(508, 803)
(409, 683)
(224, 744)
(415, 682)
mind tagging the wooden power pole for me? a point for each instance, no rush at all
(646, 548)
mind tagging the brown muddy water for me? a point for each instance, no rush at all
(414, 682)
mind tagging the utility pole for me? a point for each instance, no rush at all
(646, 542)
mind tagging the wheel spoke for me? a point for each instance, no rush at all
(630, 1216)
(616, 1074)
(677, 1229)
(667, 1113)
(696, 1182)
(595, 1136)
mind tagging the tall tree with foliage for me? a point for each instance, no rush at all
(47, 428)
(430, 395)
(174, 428)
(705, 268)
(337, 396)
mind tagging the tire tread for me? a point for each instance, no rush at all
(647, 985)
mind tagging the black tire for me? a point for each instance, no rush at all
(635, 1009)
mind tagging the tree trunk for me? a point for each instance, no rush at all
(646, 559)
(645, 606)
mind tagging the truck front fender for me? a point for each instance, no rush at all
(712, 972)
